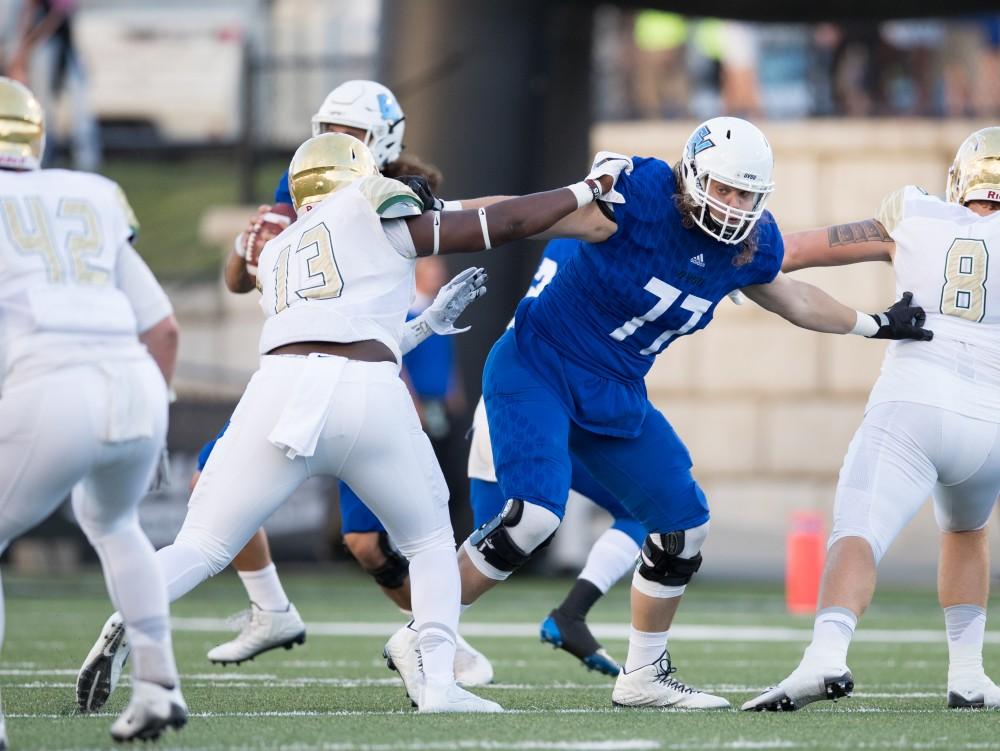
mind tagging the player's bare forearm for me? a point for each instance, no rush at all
(838, 245)
(506, 221)
(162, 340)
(804, 305)
(237, 278)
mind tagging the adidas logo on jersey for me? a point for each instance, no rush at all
(699, 260)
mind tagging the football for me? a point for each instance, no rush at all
(269, 224)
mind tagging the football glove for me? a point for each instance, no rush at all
(453, 298)
(611, 164)
(422, 188)
(903, 320)
(161, 477)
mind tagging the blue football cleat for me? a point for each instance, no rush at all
(573, 636)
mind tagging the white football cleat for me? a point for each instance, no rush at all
(100, 672)
(3, 733)
(975, 691)
(400, 654)
(807, 683)
(471, 666)
(152, 710)
(450, 697)
(264, 630)
(653, 686)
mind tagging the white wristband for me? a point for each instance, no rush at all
(583, 192)
(866, 325)
(486, 230)
(239, 248)
(451, 205)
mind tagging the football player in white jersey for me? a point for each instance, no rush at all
(83, 405)
(931, 427)
(328, 399)
(370, 112)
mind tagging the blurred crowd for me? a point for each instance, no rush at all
(653, 64)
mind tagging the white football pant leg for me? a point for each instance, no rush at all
(106, 503)
(393, 469)
(245, 480)
(886, 476)
(969, 473)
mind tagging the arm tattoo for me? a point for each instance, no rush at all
(858, 232)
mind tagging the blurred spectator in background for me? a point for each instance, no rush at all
(739, 86)
(854, 69)
(913, 46)
(432, 373)
(44, 52)
(659, 70)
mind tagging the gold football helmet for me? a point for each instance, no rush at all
(326, 163)
(22, 127)
(975, 174)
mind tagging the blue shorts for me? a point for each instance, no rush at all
(354, 514)
(487, 502)
(535, 440)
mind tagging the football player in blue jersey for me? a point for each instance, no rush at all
(612, 555)
(567, 381)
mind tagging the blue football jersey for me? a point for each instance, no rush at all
(615, 305)
(282, 194)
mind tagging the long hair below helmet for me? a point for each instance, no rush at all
(22, 127)
(325, 164)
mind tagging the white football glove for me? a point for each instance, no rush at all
(611, 164)
(453, 298)
(737, 297)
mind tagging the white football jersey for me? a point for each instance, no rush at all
(69, 278)
(338, 273)
(943, 258)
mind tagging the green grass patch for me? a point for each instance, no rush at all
(335, 693)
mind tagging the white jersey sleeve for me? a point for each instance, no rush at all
(943, 258)
(133, 277)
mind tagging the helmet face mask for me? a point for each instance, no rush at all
(325, 164)
(731, 152)
(975, 173)
(370, 107)
(22, 127)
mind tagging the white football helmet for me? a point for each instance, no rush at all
(371, 107)
(734, 152)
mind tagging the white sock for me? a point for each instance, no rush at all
(264, 588)
(644, 648)
(832, 634)
(612, 556)
(966, 625)
(135, 583)
(435, 590)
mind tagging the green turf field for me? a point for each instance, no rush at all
(335, 693)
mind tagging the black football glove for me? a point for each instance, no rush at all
(419, 185)
(903, 320)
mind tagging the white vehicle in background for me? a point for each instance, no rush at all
(164, 73)
(172, 72)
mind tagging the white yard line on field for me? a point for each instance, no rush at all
(687, 632)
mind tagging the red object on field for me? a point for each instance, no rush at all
(805, 553)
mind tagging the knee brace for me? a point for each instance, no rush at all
(391, 574)
(505, 543)
(669, 560)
